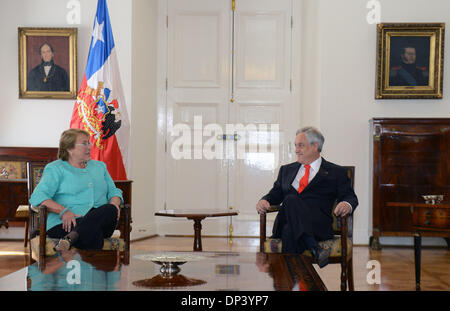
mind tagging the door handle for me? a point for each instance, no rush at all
(234, 137)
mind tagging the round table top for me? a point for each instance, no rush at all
(196, 213)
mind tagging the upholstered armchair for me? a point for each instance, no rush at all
(341, 245)
(41, 246)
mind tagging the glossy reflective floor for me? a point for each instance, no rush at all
(206, 271)
(396, 263)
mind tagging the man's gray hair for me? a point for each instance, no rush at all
(313, 135)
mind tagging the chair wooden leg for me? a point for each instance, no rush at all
(262, 231)
(25, 240)
(351, 286)
(343, 275)
(43, 212)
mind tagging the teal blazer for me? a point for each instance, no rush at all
(79, 189)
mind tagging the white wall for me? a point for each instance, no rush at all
(344, 77)
(337, 84)
(39, 122)
(144, 116)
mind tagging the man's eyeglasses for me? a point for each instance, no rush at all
(85, 144)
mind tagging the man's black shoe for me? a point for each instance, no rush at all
(321, 256)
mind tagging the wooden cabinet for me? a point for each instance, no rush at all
(410, 158)
(13, 192)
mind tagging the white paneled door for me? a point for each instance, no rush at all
(229, 108)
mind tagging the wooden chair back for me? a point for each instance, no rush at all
(36, 219)
(342, 227)
(38, 215)
(34, 174)
(336, 223)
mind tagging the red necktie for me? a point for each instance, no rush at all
(304, 180)
(301, 286)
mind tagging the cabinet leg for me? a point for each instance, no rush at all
(448, 242)
(4, 223)
(417, 253)
(374, 243)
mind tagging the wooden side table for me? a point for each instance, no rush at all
(430, 220)
(197, 217)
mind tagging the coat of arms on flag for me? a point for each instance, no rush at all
(100, 107)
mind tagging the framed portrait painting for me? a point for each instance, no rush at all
(410, 60)
(48, 63)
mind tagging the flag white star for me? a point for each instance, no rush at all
(99, 109)
(97, 34)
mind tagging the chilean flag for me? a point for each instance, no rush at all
(100, 107)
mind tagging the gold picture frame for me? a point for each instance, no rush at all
(48, 63)
(410, 60)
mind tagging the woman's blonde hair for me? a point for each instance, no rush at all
(67, 142)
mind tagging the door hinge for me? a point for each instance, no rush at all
(167, 21)
(290, 85)
(233, 5)
(167, 83)
(292, 22)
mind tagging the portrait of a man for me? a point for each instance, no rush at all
(47, 76)
(48, 62)
(409, 61)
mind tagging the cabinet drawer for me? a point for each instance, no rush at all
(432, 212)
(438, 218)
(433, 222)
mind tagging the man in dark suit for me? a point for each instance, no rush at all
(47, 76)
(407, 73)
(308, 190)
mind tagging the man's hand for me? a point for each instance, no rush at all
(342, 209)
(262, 206)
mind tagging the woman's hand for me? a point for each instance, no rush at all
(116, 202)
(68, 219)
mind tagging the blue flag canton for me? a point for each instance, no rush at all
(102, 41)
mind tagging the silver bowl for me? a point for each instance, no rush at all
(169, 262)
(433, 198)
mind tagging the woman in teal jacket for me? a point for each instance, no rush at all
(80, 195)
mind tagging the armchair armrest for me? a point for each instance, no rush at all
(262, 225)
(124, 223)
(34, 208)
(345, 223)
(273, 208)
(43, 212)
